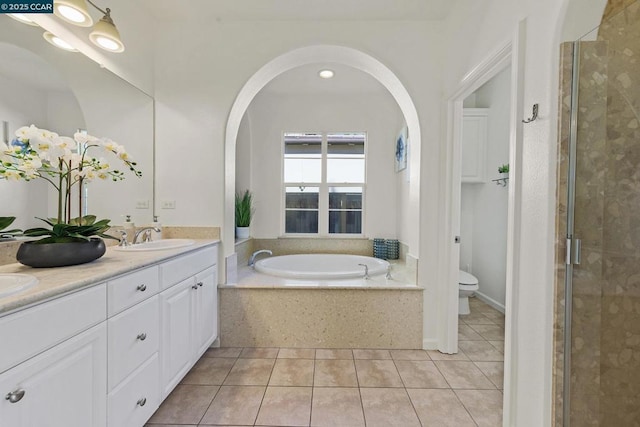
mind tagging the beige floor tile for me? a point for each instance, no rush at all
(475, 318)
(285, 406)
(371, 354)
(170, 425)
(485, 406)
(259, 353)
(209, 371)
(481, 351)
(499, 345)
(377, 373)
(439, 408)
(494, 371)
(185, 405)
(465, 333)
(336, 407)
(420, 374)
(235, 405)
(463, 375)
(388, 407)
(490, 332)
(250, 372)
(493, 314)
(409, 355)
(329, 353)
(436, 355)
(297, 353)
(335, 373)
(292, 372)
(223, 352)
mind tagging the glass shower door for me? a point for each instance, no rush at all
(602, 363)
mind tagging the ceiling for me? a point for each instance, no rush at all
(299, 10)
(305, 80)
(26, 67)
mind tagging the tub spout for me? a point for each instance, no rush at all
(252, 260)
(366, 271)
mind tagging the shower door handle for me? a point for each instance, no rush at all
(574, 251)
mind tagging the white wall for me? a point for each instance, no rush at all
(272, 114)
(483, 250)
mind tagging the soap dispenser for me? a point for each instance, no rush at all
(130, 228)
(156, 235)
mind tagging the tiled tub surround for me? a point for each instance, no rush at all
(605, 377)
(348, 386)
(267, 311)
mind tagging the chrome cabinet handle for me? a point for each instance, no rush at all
(200, 284)
(15, 396)
(142, 401)
(195, 287)
(142, 288)
(142, 336)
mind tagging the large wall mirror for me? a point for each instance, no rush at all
(65, 91)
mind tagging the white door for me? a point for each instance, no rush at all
(206, 310)
(176, 346)
(63, 387)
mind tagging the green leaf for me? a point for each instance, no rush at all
(6, 221)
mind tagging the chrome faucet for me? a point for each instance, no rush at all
(388, 275)
(123, 239)
(252, 260)
(366, 271)
(146, 234)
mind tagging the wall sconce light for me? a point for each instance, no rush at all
(21, 17)
(105, 35)
(58, 42)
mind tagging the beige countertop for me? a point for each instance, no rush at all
(54, 282)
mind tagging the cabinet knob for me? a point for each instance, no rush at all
(142, 336)
(142, 288)
(15, 396)
(200, 284)
(195, 287)
(142, 401)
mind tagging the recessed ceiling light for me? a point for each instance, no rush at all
(58, 42)
(326, 74)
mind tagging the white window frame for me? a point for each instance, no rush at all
(323, 194)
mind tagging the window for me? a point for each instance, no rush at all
(324, 180)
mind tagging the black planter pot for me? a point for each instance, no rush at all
(46, 255)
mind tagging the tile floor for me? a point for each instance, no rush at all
(347, 387)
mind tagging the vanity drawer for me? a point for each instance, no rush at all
(175, 271)
(33, 330)
(136, 399)
(128, 290)
(133, 336)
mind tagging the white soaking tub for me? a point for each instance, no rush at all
(321, 266)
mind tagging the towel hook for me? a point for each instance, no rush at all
(534, 116)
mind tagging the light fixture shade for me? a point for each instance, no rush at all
(105, 35)
(73, 11)
(21, 17)
(326, 73)
(58, 42)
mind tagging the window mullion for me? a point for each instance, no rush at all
(323, 214)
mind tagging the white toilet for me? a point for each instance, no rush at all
(468, 284)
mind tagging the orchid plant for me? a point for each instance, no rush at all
(64, 163)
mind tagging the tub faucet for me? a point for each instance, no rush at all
(145, 232)
(366, 271)
(252, 260)
(388, 275)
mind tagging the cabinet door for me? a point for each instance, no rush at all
(474, 145)
(63, 387)
(176, 347)
(206, 311)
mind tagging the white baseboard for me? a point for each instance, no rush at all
(493, 303)
(429, 344)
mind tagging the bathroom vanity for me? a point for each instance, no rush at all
(103, 344)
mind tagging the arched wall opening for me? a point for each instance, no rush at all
(309, 55)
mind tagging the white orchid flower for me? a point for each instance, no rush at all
(12, 175)
(110, 145)
(25, 133)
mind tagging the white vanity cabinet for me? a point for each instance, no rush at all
(64, 383)
(474, 144)
(188, 305)
(97, 357)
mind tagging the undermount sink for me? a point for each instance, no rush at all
(12, 283)
(156, 245)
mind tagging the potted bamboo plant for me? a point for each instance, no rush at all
(244, 213)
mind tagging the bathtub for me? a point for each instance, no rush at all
(321, 266)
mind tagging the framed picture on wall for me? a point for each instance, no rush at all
(401, 149)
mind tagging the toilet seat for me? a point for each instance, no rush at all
(467, 279)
